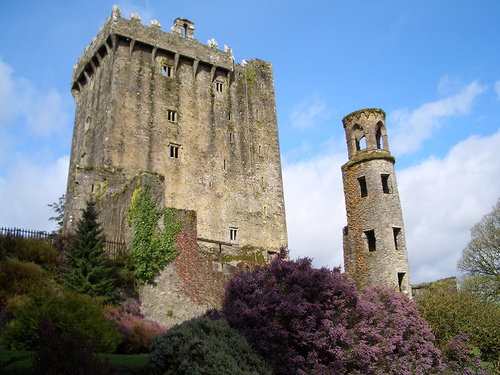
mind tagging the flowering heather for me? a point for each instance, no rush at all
(305, 320)
(137, 332)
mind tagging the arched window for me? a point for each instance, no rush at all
(381, 136)
(359, 137)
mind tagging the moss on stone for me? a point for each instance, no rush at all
(366, 111)
(363, 156)
(246, 254)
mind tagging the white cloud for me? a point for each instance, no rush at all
(128, 7)
(441, 200)
(315, 209)
(410, 129)
(307, 113)
(7, 107)
(497, 89)
(26, 190)
(43, 112)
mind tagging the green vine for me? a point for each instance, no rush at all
(250, 77)
(152, 247)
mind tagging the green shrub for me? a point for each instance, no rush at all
(39, 251)
(203, 346)
(450, 313)
(70, 312)
(19, 278)
(62, 353)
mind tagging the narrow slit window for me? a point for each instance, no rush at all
(174, 151)
(224, 165)
(167, 71)
(219, 86)
(171, 115)
(362, 186)
(370, 238)
(397, 238)
(385, 184)
(379, 138)
(401, 279)
(230, 137)
(229, 116)
(232, 233)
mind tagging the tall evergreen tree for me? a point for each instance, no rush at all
(89, 271)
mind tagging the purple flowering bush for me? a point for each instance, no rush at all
(136, 331)
(306, 320)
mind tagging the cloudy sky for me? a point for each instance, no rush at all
(432, 66)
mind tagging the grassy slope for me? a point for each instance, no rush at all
(131, 364)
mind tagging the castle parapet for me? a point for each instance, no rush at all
(179, 42)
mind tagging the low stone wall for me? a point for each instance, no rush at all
(164, 304)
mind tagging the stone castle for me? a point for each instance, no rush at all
(161, 108)
(202, 129)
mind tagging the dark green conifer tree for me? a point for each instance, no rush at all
(89, 271)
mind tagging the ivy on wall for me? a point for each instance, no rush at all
(152, 247)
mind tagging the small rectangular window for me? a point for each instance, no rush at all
(397, 238)
(219, 86)
(167, 71)
(174, 151)
(385, 183)
(232, 233)
(370, 237)
(401, 279)
(362, 186)
(171, 115)
(230, 137)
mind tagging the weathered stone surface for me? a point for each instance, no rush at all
(374, 239)
(164, 104)
(201, 130)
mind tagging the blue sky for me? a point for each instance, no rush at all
(432, 66)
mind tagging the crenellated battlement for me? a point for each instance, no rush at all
(131, 33)
(366, 133)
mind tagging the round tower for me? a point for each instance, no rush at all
(374, 238)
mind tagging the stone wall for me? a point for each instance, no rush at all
(149, 101)
(374, 240)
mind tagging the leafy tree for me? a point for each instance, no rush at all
(480, 261)
(203, 346)
(89, 271)
(306, 320)
(452, 313)
(58, 208)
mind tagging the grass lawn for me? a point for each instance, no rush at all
(13, 362)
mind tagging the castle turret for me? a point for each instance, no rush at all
(374, 238)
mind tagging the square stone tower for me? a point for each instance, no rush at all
(203, 130)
